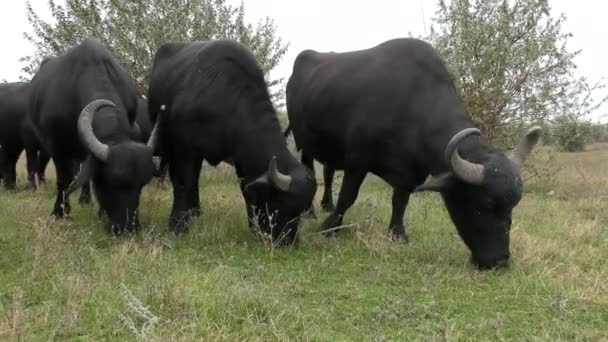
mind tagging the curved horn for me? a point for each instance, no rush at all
(154, 135)
(85, 129)
(471, 173)
(279, 180)
(519, 154)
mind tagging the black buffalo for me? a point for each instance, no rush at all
(392, 110)
(215, 107)
(83, 106)
(17, 134)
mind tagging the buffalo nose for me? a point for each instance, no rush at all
(495, 264)
(504, 262)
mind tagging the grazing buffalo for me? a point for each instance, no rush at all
(16, 134)
(215, 106)
(142, 129)
(392, 110)
(83, 106)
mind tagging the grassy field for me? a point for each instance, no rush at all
(70, 280)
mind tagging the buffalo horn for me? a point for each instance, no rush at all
(85, 129)
(154, 135)
(467, 171)
(279, 180)
(519, 154)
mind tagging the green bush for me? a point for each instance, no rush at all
(572, 134)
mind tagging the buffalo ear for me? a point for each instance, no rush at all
(437, 184)
(272, 177)
(83, 177)
(263, 180)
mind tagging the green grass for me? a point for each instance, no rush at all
(69, 280)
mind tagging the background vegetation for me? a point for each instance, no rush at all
(133, 31)
(573, 134)
(510, 59)
(512, 66)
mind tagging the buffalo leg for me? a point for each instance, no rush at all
(85, 195)
(327, 203)
(85, 190)
(31, 157)
(9, 167)
(162, 172)
(43, 161)
(348, 194)
(194, 197)
(309, 162)
(184, 179)
(2, 165)
(65, 175)
(248, 209)
(396, 228)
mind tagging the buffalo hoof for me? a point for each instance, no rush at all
(331, 225)
(398, 234)
(160, 183)
(179, 229)
(310, 213)
(330, 234)
(328, 207)
(286, 240)
(118, 230)
(60, 212)
(85, 199)
(179, 226)
(9, 186)
(85, 202)
(101, 214)
(30, 187)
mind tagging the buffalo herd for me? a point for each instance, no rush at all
(390, 110)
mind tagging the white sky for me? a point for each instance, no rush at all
(343, 25)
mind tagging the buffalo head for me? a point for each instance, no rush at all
(480, 194)
(119, 170)
(275, 202)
